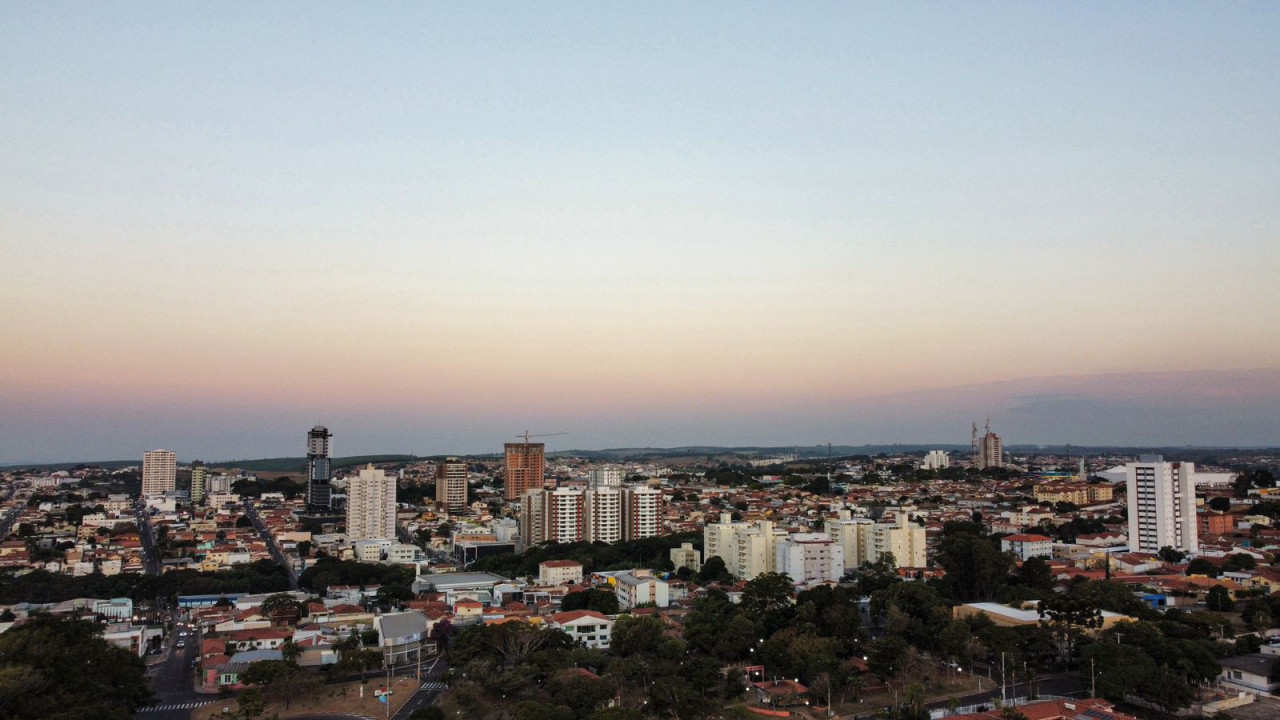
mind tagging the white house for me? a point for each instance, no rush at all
(1257, 672)
(588, 627)
(1028, 546)
(640, 587)
(559, 572)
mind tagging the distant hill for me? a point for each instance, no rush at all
(298, 464)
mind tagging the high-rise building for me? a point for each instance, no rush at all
(990, 451)
(198, 474)
(451, 484)
(319, 473)
(810, 558)
(606, 477)
(604, 514)
(159, 472)
(936, 460)
(855, 536)
(642, 509)
(1162, 505)
(607, 514)
(747, 549)
(371, 506)
(903, 539)
(523, 469)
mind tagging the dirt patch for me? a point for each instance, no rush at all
(338, 698)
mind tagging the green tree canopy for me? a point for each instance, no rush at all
(53, 669)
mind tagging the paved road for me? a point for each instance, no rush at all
(173, 679)
(429, 692)
(148, 539)
(270, 539)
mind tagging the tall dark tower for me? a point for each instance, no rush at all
(319, 494)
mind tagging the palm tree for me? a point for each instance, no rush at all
(290, 651)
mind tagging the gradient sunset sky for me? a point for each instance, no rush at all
(432, 226)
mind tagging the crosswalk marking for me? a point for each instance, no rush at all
(177, 706)
(434, 686)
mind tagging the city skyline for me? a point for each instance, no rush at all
(429, 228)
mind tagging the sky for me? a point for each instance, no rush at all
(432, 226)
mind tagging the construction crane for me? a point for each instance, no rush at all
(526, 435)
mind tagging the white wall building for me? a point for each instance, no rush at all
(587, 627)
(371, 506)
(936, 460)
(640, 587)
(451, 485)
(559, 572)
(607, 514)
(854, 535)
(606, 477)
(903, 538)
(1027, 546)
(747, 549)
(810, 558)
(1162, 505)
(159, 472)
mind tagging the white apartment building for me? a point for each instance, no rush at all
(642, 512)
(606, 477)
(371, 506)
(936, 460)
(451, 485)
(1162, 505)
(606, 514)
(159, 472)
(640, 587)
(686, 556)
(559, 572)
(903, 538)
(810, 558)
(214, 484)
(747, 549)
(1027, 546)
(855, 536)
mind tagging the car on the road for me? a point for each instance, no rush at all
(155, 651)
(181, 643)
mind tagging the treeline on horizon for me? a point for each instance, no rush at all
(1184, 453)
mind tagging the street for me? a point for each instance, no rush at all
(267, 537)
(172, 680)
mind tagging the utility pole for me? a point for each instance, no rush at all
(1003, 681)
(1093, 680)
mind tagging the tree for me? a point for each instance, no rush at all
(597, 599)
(281, 606)
(768, 597)
(281, 679)
(43, 673)
(976, 568)
(635, 634)
(1202, 566)
(251, 703)
(887, 657)
(1035, 575)
(1236, 562)
(1221, 504)
(1068, 618)
(1172, 555)
(713, 570)
(1219, 599)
